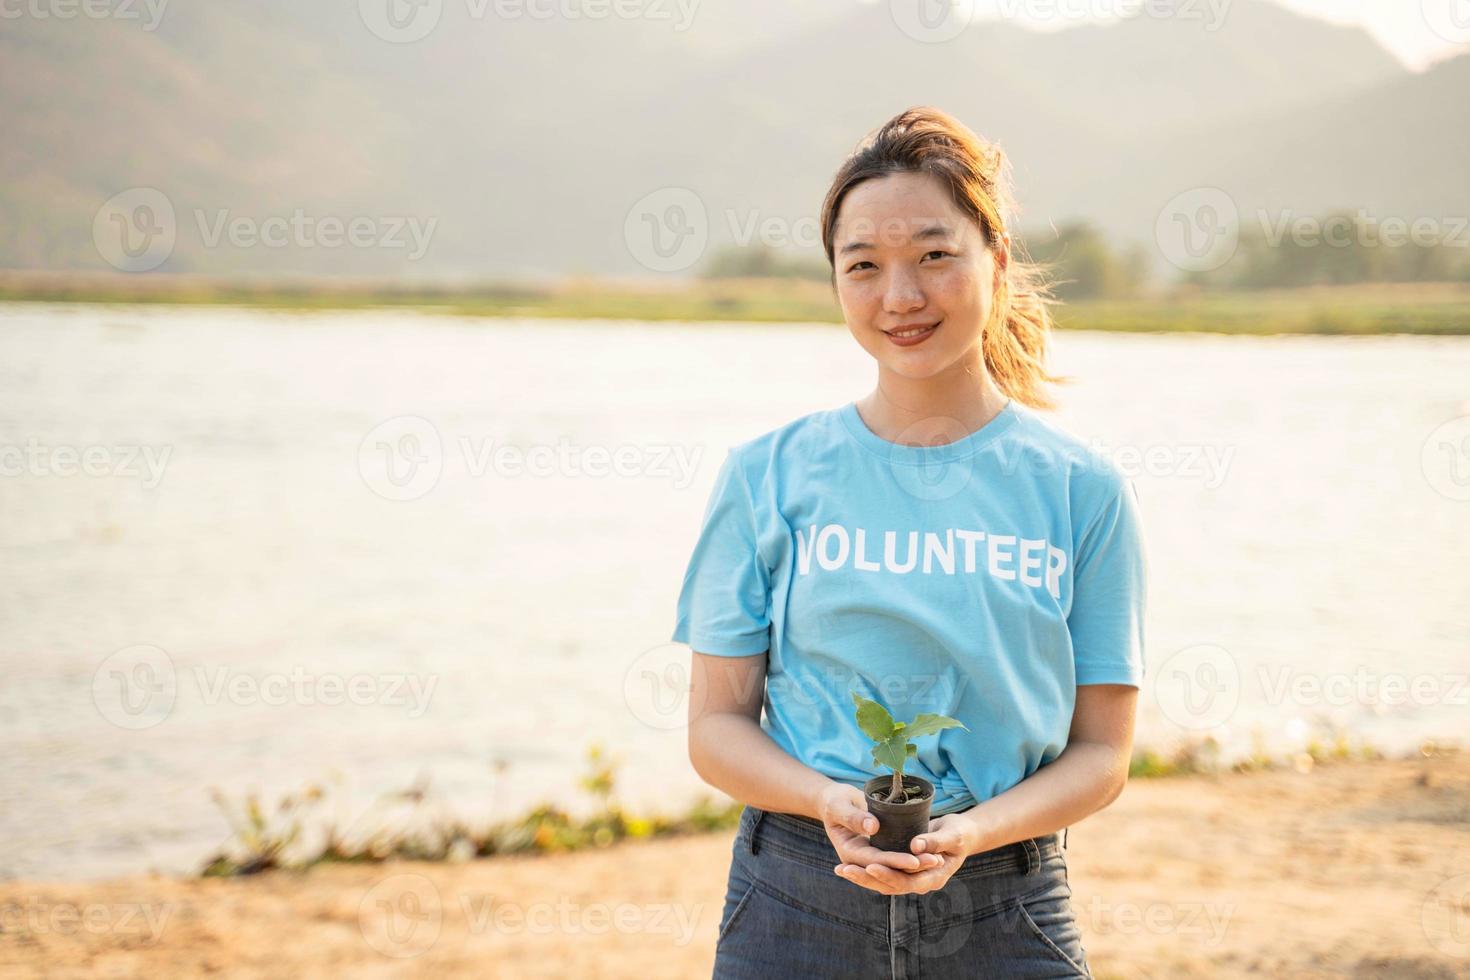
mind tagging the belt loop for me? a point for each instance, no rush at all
(1064, 837)
(755, 822)
(1032, 855)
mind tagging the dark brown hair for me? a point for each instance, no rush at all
(924, 139)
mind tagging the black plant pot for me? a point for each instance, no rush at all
(898, 823)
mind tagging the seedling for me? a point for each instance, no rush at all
(893, 740)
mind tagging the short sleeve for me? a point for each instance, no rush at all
(724, 606)
(1109, 595)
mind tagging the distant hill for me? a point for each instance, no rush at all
(526, 141)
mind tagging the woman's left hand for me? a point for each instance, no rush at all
(949, 837)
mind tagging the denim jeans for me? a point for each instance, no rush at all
(1004, 913)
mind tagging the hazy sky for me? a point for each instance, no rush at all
(1403, 27)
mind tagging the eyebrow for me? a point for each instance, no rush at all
(933, 231)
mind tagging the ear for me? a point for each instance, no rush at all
(1001, 253)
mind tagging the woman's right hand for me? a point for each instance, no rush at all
(844, 812)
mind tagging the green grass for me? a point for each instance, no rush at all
(1435, 309)
(1360, 310)
(269, 838)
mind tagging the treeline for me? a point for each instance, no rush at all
(1085, 263)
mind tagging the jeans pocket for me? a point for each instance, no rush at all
(736, 901)
(1048, 917)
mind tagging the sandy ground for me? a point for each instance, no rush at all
(1359, 870)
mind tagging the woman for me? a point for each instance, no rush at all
(935, 545)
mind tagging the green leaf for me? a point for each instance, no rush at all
(913, 750)
(928, 724)
(892, 753)
(873, 718)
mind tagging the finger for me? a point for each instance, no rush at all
(942, 841)
(868, 854)
(859, 876)
(860, 822)
(897, 881)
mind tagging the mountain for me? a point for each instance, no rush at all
(526, 141)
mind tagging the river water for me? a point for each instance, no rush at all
(246, 550)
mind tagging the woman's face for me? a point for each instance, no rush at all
(905, 255)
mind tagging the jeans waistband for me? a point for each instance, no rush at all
(1024, 857)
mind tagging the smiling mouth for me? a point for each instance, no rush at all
(911, 331)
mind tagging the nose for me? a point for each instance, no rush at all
(902, 293)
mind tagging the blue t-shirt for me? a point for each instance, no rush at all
(985, 579)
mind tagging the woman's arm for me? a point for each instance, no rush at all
(731, 752)
(1089, 774)
(728, 747)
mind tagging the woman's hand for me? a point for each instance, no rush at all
(948, 839)
(844, 812)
